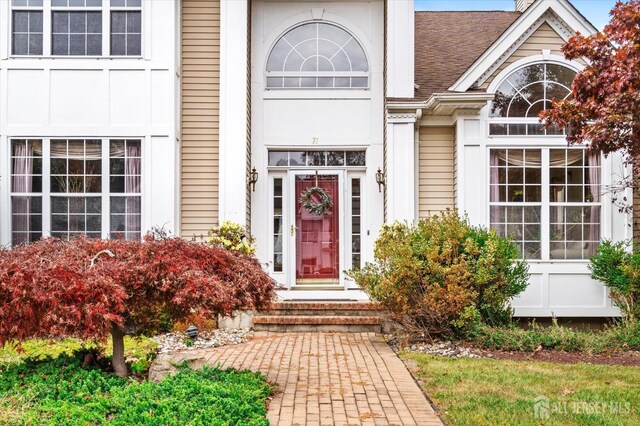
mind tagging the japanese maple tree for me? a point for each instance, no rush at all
(91, 289)
(604, 109)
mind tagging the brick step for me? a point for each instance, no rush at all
(319, 306)
(341, 323)
(324, 309)
(321, 312)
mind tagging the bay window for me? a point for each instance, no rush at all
(68, 187)
(547, 200)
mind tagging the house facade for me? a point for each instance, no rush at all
(311, 122)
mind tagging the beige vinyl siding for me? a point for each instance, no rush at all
(436, 170)
(200, 96)
(544, 38)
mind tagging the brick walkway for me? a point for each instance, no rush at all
(325, 378)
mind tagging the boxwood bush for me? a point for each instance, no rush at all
(617, 265)
(443, 275)
(63, 392)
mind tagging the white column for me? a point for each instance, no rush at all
(400, 50)
(233, 109)
(472, 170)
(401, 169)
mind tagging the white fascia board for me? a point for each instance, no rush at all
(562, 8)
(462, 99)
(449, 103)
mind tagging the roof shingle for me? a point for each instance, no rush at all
(448, 43)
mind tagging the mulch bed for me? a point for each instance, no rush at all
(628, 358)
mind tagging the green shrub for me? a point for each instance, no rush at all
(232, 236)
(617, 265)
(63, 392)
(444, 274)
(614, 338)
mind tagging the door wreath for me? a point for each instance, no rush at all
(309, 202)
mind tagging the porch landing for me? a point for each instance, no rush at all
(323, 378)
(303, 293)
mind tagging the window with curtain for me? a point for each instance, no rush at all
(563, 185)
(26, 190)
(125, 158)
(58, 188)
(76, 187)
(317, 55)
(575, 203)
(523, 95)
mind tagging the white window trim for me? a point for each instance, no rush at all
(47, 29)
(105, 194)
(544, 58)
(545, 205)
(351, 175)
(285, 225)
(338, 74)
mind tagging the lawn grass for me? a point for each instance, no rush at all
(499, 392)
(135, 348)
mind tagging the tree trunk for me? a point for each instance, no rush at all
(119, 366)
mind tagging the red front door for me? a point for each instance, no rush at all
(317, 236)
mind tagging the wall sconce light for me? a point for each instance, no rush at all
(253, 178)
(380, 179)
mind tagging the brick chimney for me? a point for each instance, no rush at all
(522, 5)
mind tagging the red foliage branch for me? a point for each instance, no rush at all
(50, 289)
(604, 111)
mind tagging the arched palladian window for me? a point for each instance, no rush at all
(524, 94)
(317, 55)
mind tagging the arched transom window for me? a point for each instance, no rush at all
(317, 55)
(524, 94)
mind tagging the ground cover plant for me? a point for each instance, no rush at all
(90, 289)
(613, 338)
(61, 391)
(140, 351)
(498, 392)
(443, 275)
